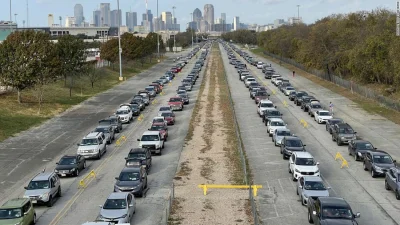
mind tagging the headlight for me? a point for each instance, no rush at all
(157, 146)
(378, 168)
(305, 195)
(317, 171)
(73, 169)
(298, 171)
(342, 137)
(44, 196)
(359, 154)
(123, 216)
(56, 171)
(100, 217)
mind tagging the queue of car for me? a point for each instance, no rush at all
(45, 187)
(322, 208)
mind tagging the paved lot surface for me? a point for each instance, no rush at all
(277, 201)
(24, 156)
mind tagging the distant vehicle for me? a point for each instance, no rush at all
(152, 140)
(274, 123)
(18, 211)
(378, 162)
(118, 208)
(44, 188)
(290, 144)
(125, 114)
(279, 134)
(330, 210)
(311, 186)
(108, 132)
(92, 145)
(176, 103)
(358, 148)
(343, 133)
(162, 128)
(70, 165)
(330, 124)
(303, 164)
(114, 121)
(132, 180)
(321, 116)
(139, 157)
(392, 181)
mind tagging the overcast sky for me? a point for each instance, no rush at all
(249, 11)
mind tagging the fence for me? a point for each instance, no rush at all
(353, 87)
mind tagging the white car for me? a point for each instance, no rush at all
(321, 116)
(277, 80)
(279, 134)
(288, 89)
(264, 105)
(273, 124)
(125, 114)
(303, 164)
(260, 65)
(243, 75)
(152, 140)
(249, 80)
(273, 77)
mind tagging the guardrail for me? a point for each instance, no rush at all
(85, 179)
(120, 141)
(344, 161)
(205, 187)
(304, 123)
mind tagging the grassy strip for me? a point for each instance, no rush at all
(17, 117)
(369, 105)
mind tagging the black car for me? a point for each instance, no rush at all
(292, 95)
(358, 148)
(70, 165)
(297, 99)
(378, 162)
(304, 100)
(291, 144)
(270, 113)
(114, 121)
(330, 211)
(139, 157)
(330, 123)
(139, 102)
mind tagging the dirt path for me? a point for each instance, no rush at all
(209, 157)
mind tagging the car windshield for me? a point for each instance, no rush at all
(273, 113)
(283, 133)
(114, 120)
(150, 138)
(333, 122)
(10, 213)
(300, 94)
(166, 114)
(137, 155)
(67, 161)
(128, 176)
(294, 143)
(267, 105)
(181, 92)
(262, 93)
(182, 96)
(115, 204)
(383, 159)
(289, 88)
(102, 129)
(89, 141)
(314, 186)
(305, 162)
(174, 100)
(158, 120)
(165, 108)
(346, 130)
(324, 113)
(149, 88)
(39, 184)
(122, 112)
(157, 127)
(336, 212)
(316, 106)
(364, 146)
(277, 123)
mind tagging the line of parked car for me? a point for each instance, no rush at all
(322, 208)
(45, 187)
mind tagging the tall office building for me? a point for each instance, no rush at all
(209, 14)
(166, 17)
(236, 23)
(197, 15)
(97, 18)
(50, 20)
(157, 24)
(70, 21)
(131, 20)
(114, 18)
(147, 20)
(105, 14)
(223, 17)
(78, 14)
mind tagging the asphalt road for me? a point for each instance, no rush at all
(277, 201)
(24, 156)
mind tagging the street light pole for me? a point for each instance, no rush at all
(158, 33)
(191, 22)
(10, 18)
(119, 44)
(173, 11)
(15, 18)
(298, 13)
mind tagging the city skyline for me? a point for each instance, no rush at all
(259, 11)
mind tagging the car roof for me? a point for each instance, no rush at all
(130, 169)
(14, 203)
(124, 107)
(361, 141)
(335, 201)
(92, 135)
(322, 111)
(137, 150)
(276, 119)
(265, 101)
(158, 117)
(162, 112)
(312, 178)
(292, 138)
(118, 195)
(158, 124)
(42, 176)
(69, 156)
(303, 154)
(282, 129)
(153, 132)
(340, 125)
(378, 152)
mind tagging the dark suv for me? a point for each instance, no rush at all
(358, 148)
(330, 124)
(392, 181)
(304, 100)
(70, 165)
(343, 133)
(378, 162)
(297, 99)
(139, 157)
(291, 144)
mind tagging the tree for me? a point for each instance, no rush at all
(72, 57)
(92, 72)
(109, 51)
(16, 60)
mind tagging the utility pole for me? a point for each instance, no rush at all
(27, 13)
(191, 22)
(298, 14)
(398, 19)
(158, 34)
(119, 44)
(15, 18)
(23, 22)
(10, 18)
(173, 15)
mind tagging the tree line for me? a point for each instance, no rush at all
(30, 60)
(184, 39)
(360, 46)
(241, 36)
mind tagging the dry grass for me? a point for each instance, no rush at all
(174, 219)
(369, 105)
(17, 117)
(207, 205)
(207, 170)
(184, 170)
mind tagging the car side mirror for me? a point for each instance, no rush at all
(148, 129)
(100, 206)
(77, 144)
(274, 106)
(355, 132)
(304, 145)
(26, 188)
(328, 188)
(126, 158)
(138, 139)
(57, 163)
(375, 148)
(357, 215)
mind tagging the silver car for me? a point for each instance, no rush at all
(118, 208)
(311, 186)
(279, 134)
(43, 188)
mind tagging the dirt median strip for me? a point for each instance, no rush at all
(210, 156)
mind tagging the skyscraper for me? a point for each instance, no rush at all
(236, 23)
(114, 18)
(105, 14)
(167, 18)
(209, 14)
(70, 21)
(197, 15)
(78, 14)
(97, 18)
(223, 18)
(131, 20)
(50, 20)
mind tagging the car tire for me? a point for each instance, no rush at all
(50, 202)
(98, 156)
(387, 187)
(76, 172)
(293, 178)
(84, 165)
(289, 171)
(34, 219)
(283, 157)
(365, 167)
(356, 157)
(140, 194)
(373, 175)
(302, 200)
(397, 195)
(338, 142)
(165, 139)
(297, 191)
(333, 139)
(59, 192)
(310, 220)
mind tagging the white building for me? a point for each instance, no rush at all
(50, 20)
(236, 23)
(295, 20)
(70, 21)
(279, 22)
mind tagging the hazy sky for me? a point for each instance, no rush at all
(249, 11)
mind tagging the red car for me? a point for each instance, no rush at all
(162, 128)
(176, 69)
(176, 103)
(157, 87)
(260, 95)
(169, 117)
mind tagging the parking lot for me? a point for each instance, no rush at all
(277, 201)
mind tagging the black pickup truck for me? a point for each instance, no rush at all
(330, 211)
